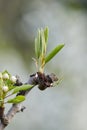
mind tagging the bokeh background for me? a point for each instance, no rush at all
(63, 107)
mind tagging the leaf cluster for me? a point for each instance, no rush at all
(41, 42)
(8, 88)
(7, 81)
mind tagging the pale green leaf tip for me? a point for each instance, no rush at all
(62, 44)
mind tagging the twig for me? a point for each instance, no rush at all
(43, 81)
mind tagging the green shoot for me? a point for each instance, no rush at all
(41, 47)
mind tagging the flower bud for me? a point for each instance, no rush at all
(5, 88)
(13, 79)
(5, 76)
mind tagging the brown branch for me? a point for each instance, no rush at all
(43, 81)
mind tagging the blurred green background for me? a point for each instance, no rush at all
(63, 107)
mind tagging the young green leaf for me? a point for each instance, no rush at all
(53, 53)
(43, 44)
(17, 99)
(20, 88)
(11, 87)
(9, 83)
(46, 31)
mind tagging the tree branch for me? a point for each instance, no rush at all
(43, 81)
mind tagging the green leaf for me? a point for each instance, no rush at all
(53, 53)
(43, 44)
(11, 87)
(9, 83)
(46, 31)
(17, 99)
(23, 87)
